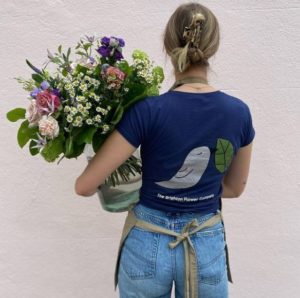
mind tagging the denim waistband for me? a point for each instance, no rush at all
(169, 220)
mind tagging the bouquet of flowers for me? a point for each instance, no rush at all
(79, 104)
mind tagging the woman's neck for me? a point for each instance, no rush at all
(195, 71)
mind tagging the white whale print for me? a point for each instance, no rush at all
(191, 171)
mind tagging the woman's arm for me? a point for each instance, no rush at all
(114, 152)
(235, 180)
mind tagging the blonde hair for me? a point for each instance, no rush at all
(185, 42)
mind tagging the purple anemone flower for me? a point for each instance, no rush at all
(104, 51)
(118, 55)
(120, 41)
(105, 40)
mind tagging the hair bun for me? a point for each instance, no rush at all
(195, 55)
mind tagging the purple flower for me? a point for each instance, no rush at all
(35, 92)
(45, 85)
(111, 47)
(105, 40)
(120, 41)
(92, 60)
(118, 55)
(56, 92)
(104, 51)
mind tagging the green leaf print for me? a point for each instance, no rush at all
(223, 154)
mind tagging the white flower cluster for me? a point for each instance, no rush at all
(144, 69)
(80, 109)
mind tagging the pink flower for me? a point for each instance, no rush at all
(32, 114)
(48, 126)
(115, 72)
(47, 102)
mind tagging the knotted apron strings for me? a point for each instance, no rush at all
(191, 279)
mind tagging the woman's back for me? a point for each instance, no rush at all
(188, 141)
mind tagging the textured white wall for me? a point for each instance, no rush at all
(56, 244)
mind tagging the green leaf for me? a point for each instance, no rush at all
(64, 72)
(80, 53)
(53, 148)
(158, 74)
(69, 146)
(86, 46)
(136, 92)
(124, 66)
(33, 67)
(86, 135)
(223, 154)
(25, 133)
(69, 52)
(81, 68)
(117, 115)
(56, 60)
(59, 49)
(77, 150)
(153, 91)
(16, 114)
(38, 78)
(98, 140)
(33, 151)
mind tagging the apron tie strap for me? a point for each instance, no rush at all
(191, 277)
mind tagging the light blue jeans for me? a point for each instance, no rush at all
(148, 266)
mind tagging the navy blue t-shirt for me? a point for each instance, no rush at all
(187, 143)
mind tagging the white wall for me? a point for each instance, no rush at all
(54, 243)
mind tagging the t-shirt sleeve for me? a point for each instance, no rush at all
(248, 131)
(134, 124)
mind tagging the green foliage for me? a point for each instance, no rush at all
(158, 74)
(25, 133)
(223, 154)
(53, 148)
(37, 78)
(16, 114)
(117, 115)
(85, 136)
(33, 151)
(124, 66)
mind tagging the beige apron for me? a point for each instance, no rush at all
(191, 282)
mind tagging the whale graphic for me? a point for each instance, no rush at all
(191, 171)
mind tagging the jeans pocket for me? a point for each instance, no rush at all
(139, 253)
(209, 245)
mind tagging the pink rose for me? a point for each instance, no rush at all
(47, 102)
(114, 71)
(48, 126)
(32, 113)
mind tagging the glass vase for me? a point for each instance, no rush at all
(122, 196)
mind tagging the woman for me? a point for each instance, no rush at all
(196, 144)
